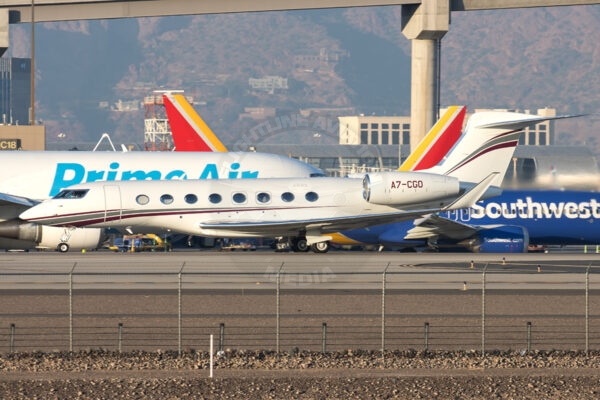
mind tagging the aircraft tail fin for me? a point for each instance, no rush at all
(190, 132)
(487, 145)
(438, 141)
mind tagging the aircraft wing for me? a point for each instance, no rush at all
(325, 225)
(436, 226)
(10, 200)
(343, 222)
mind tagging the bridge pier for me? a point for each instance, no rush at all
(425, 25)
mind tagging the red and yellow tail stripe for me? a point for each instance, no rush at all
(190, 132)
(438, 141)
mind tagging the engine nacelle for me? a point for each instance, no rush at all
(49, 237)
(500, 239)
(402, 188)
(76, 239)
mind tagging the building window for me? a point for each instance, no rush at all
(329, 163)
(395, 137)
(405, 137)
(374, 138)
(374, 126)
(385, 137)
(364, 137)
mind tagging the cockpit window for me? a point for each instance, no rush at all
(71, 194)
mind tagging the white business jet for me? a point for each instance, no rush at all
(301, 210)
(32, 176)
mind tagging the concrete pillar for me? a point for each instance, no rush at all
(424, 89)
(425, 24)
(4, 20)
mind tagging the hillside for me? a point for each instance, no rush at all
(353, 58)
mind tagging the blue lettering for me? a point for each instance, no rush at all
(67, 174)
(210, 172)
(94, 176)
(140, 175)
(177, 174)
(112, 175)
(249, 174)
(233, 173)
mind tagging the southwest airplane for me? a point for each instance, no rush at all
(507, 223)
(302, 211)
(38, 175)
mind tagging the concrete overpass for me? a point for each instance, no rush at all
(425, 22)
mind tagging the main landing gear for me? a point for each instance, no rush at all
(300, 245)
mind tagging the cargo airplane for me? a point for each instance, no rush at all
(303, 211)
(39, 175)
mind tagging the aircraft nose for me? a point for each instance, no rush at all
(37, 212)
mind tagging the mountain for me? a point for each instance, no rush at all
(352, 59)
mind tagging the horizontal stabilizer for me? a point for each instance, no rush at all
(521, 124)
(475, 194)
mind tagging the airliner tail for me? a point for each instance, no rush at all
(190, 132)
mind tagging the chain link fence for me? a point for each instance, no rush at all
(481, 308)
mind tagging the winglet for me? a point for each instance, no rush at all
(190, 132)
(438, 141)
(476, 193)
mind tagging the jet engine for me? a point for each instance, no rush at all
(49, 237)
(402, 188)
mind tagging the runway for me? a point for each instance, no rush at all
(334, 270)
(265, 300)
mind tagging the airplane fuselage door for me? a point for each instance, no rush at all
(112, 203)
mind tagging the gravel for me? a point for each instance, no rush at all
(97, 374)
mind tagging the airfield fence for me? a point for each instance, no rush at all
(125, 311)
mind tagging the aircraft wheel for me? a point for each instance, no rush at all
(320, 247)
(300, 245)
(62, 247)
